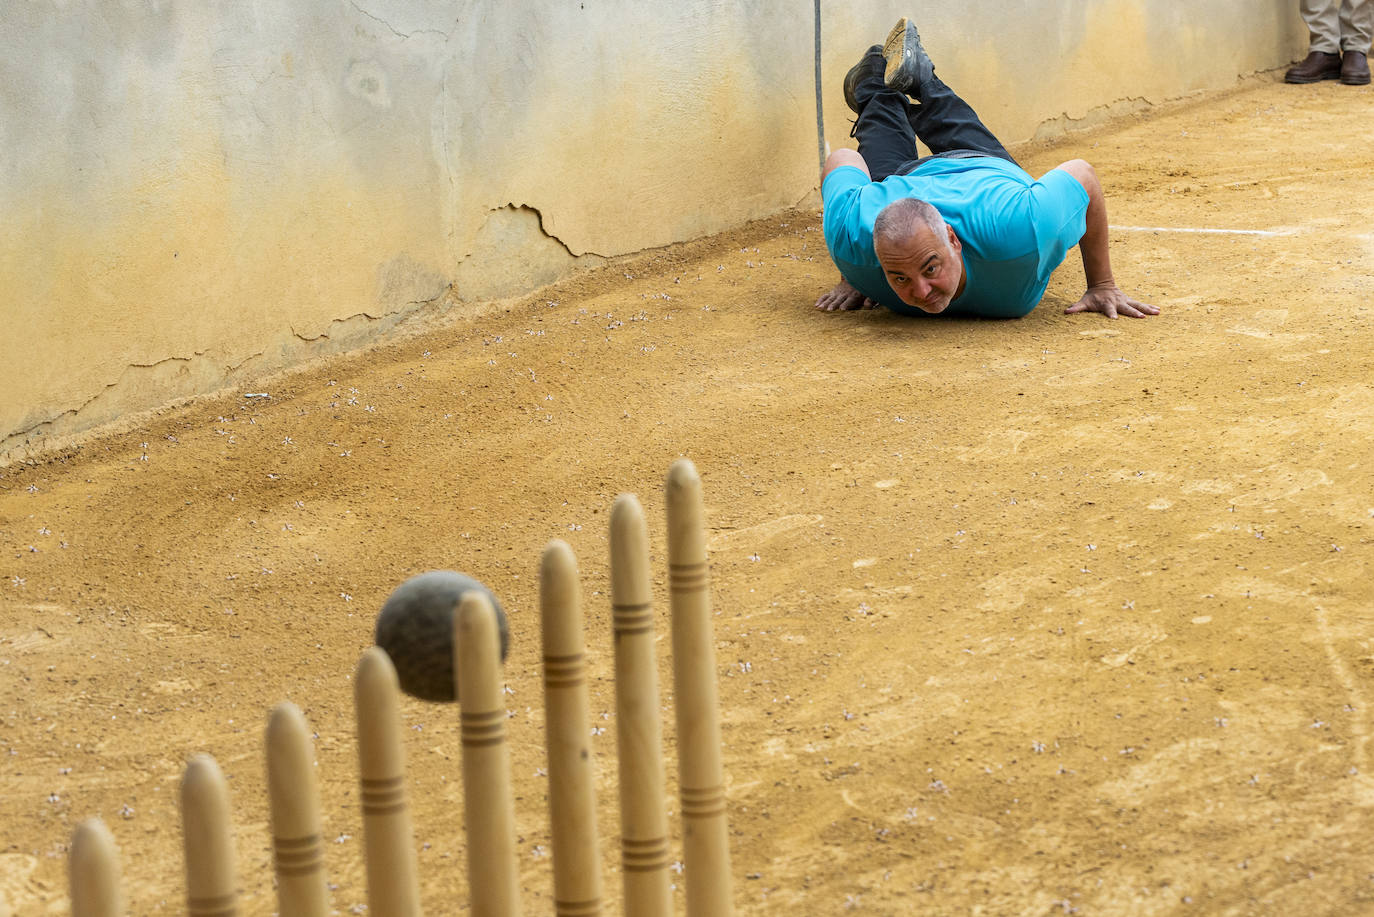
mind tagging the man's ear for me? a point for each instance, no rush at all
(954, 242)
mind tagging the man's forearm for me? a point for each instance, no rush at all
(1097, 262)
(1103, 294)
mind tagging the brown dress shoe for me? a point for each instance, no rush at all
(1317, 66)
(1354, 69)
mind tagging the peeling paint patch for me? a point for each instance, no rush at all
(512, 254)
(1094, 117)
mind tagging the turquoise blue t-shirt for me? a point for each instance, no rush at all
(1014, 230)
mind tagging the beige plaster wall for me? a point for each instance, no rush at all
(193, 194)
(1036, 69)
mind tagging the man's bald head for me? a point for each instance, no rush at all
(919, 253)
(900, 220)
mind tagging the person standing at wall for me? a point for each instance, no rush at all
(1341, 31)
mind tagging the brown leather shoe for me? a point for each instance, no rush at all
(1354, 69)
(1317, 66)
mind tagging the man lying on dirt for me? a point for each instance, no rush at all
(965, 230)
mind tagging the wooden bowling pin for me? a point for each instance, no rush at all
(297, 848)
(643, 820)
(393, 888)
(705, 832)
(493, 879)
(94, 872)
(207, 834)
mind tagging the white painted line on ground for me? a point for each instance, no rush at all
(1224, 232)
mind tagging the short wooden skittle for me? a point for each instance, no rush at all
(94, 872)
(490, 809)
(297, 848)
(393, 888)
(207, 833)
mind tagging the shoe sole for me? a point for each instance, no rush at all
(1319, 79)
(895, 51)
(1356, 82)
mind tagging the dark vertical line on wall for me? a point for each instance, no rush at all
(820, 111)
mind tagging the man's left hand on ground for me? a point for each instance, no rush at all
(1111, 302)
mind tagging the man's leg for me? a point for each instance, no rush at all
(946, 123)
(1323, 60)
(1357, 28)
(1323, 25)
(942, 121)
(1357, 25)
(887, 139)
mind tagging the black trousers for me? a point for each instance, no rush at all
(889, 125)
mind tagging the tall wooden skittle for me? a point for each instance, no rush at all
(572, 773)
(705, 832)
(643, 821)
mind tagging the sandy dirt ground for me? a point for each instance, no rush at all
(1057, 615)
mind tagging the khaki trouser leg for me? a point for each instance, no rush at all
(1357, 25)
(1323, 24)
(1339, 25)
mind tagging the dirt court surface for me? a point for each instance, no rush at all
(1058, 615)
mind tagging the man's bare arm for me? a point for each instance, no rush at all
(1103, 294)
(843, 298)
(844, 157)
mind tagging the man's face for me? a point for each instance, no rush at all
(924, 271)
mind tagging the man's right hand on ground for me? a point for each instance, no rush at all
(844, 298)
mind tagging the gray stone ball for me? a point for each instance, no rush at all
(415, 627)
